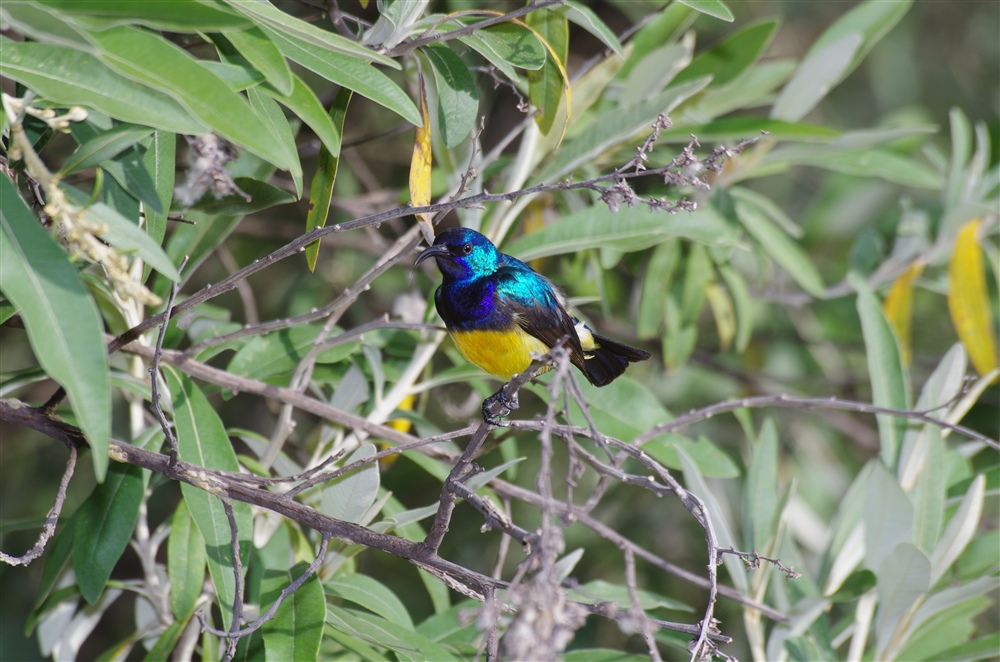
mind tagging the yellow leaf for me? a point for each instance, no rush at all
(401, 424)
(899, 307)
(968, 300)
(420, 168)
(722, 309)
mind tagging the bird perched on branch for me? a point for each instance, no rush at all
(499, 311)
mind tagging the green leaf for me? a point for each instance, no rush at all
(351, 73)
(371, 594)
(67, 76)
(903, 576)
(375, 630)
(297, 628)
(303, 102)
(261, 196)
(270, 113)
(202, 441)
(321, 190)
(663, 28)
(167, 641)
(631, 229)
(104, 147)
(656, 284)
(331, 45)
(62, 321)
(622, 409)
(457, 96)
(715, 8)
(697, 274)
(960, 529)
(584, 16)
(260, 51)
(160, 162)
(882, 163)
(654, 72)
(546, 85)
(175, 16)
(349, 497)
(614, 127)
(820, 70)
(186, 559)
(104, 527)
(506, 46)
(277, 354)
(890, 387)
(45, 24)
(760, 495)
(731, 56)
(125, 235)
(709, 458)
(888, 517)
(738, 128)
(740, 294)
(780, 247)
(153, 61)
(872, 20)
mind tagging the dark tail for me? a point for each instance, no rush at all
(609, 359)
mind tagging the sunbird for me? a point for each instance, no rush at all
(499, 311)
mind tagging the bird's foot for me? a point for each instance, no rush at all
(507, 404)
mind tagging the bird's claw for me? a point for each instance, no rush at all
(507, 404)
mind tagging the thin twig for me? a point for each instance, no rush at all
(154, 373)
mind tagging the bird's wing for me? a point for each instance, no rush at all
(536, 305)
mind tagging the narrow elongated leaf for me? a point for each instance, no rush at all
(731, 56)
(297, 628)
(969, 301)
(421, 167)
(260, 51)
(960, 529)
(321, 190)
(899, 308)
(303, 102)
(350, 497)
(45, 24)
(872, 19)
(885, 368)
(349, 72)
(176, 15)
(819, 72)
(656, 283)
(270, 113)
(277, 354)
(67, 76)
(506, 46)
(408, 644)
(371, 594)
(780, 247)
(63, 324)
(104, 528)
(186, 560)
(153, 61)
(546, 85)
(631, 229)
(760, 503)
(743, 309)
(105, 146)
(584, 16)
(715, 8)
(457, 96)
(903, 577)
(330, 43)
(202, 440)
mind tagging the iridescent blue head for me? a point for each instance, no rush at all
(462, 254)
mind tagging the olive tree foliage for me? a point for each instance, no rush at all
(263, 446)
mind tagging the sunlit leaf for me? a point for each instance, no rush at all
(421, 167)
(969, 301)
(457, 96)
(899, 308)
(547, 85)
(297, 628)
(715, 8)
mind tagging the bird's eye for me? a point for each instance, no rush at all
(466, 249)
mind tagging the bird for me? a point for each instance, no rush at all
(499, 311)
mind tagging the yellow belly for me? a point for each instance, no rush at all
(503, 354)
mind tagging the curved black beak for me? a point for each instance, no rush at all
(431, 251)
